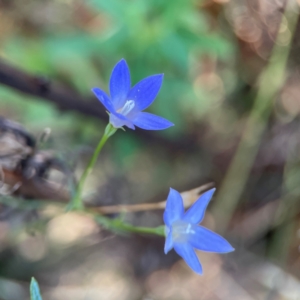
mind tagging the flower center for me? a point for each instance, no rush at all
(127, 108)
(181, 231)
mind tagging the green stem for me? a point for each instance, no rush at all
(119, 226)
(270, 83)
(77, 203)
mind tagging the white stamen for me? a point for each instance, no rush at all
(182, 230)
(127, 108)
(189, 229)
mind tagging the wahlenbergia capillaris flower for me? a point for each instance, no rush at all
(185, 235)
(125, 104)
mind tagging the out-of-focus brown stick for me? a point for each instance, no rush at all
(62, 96)
(45, 190)
(189, 197)
(69, 100)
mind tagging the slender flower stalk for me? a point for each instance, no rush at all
(125, 107)
(77, 203)
(119, 225)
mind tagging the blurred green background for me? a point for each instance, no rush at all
(212, 54)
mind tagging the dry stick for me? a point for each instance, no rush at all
(116, 224)
(52, 193)
(189, 197)
(270, 82)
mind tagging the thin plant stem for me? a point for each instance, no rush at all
(76, 202)
(189, 197)
(117, 225)
(120, 226)
(270, 82)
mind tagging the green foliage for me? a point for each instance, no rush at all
(154, 36)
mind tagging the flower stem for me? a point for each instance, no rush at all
(118, 225)
(76, 203)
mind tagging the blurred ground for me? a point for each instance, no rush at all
(212, 54)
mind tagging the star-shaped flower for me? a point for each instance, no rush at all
(125, 104)
(184, 234)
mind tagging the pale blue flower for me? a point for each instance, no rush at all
(185, 235)
(125, 104)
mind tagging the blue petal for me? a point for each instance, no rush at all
(209, 241)
(168, 242)
(174, 208)
(188, 254)
(149, 121)
(119, 84)
(118, 121)
(104, 99)
(195, 213)
(145, 91)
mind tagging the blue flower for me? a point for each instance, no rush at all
(184, 234)
(125, 104)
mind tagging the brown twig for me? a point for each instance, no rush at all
(189, 197)
(51, 192)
